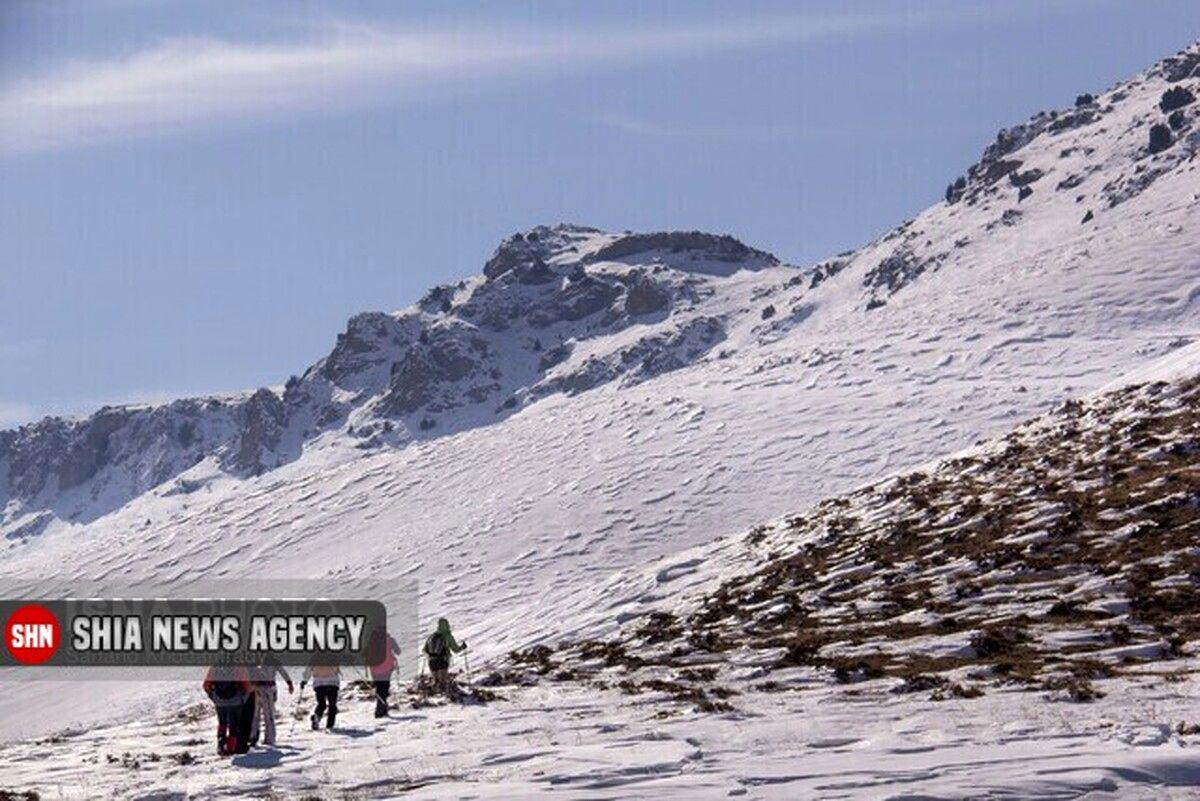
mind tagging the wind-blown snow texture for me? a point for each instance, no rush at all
(917, 638)
(595, 402)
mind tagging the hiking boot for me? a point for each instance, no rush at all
(313, 719)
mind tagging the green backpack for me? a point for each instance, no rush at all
(436, 648)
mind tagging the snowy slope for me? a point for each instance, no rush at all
(823, 742)
(1012, 621)
(1061, 552)
(595, 402)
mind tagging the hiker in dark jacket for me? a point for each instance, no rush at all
(326, 680)
(230, 690)
(438, 648)
(384, 646)
(262, 676)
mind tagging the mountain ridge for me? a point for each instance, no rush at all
(564, 283)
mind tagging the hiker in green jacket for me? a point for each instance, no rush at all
(438, 648)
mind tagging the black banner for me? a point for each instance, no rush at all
(195, 632)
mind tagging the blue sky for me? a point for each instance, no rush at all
(197, 196)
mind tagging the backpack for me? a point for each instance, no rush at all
(385, 647)
(226, 689)
(436, 648)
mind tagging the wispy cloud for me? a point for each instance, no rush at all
(184, 83)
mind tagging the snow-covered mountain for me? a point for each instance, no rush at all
(594, 402)
(557, 311)
(566, 309)
(916, 636)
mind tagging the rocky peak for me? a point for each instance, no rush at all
(720, 248)
(1163, 89)
(1056, 171)
(528, 252)
(531, 256)
(1181, 66)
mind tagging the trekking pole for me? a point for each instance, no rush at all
(419, 687)
(296, 712)
(467, 660)
(378, 695)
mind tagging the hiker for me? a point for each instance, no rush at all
(326, 680)
(262, 676)
(438, 648)
(230, 690)
(245, 721)
(381, 672)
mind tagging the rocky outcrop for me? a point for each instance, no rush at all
(1181, 66)
(893, 273)
(721, 248)
(1160, 138)
(582, 298)
(411, 387)
(523, 250)
(102, 460)
(653, 355)
(443, 356)
(1174, 98)
(439, 300)
(91, 450)
(644, 296)
(262, 420)
(365, 345)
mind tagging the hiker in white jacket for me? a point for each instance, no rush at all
(326, 681)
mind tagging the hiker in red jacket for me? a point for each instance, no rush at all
(384, 645)
(230, 690)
